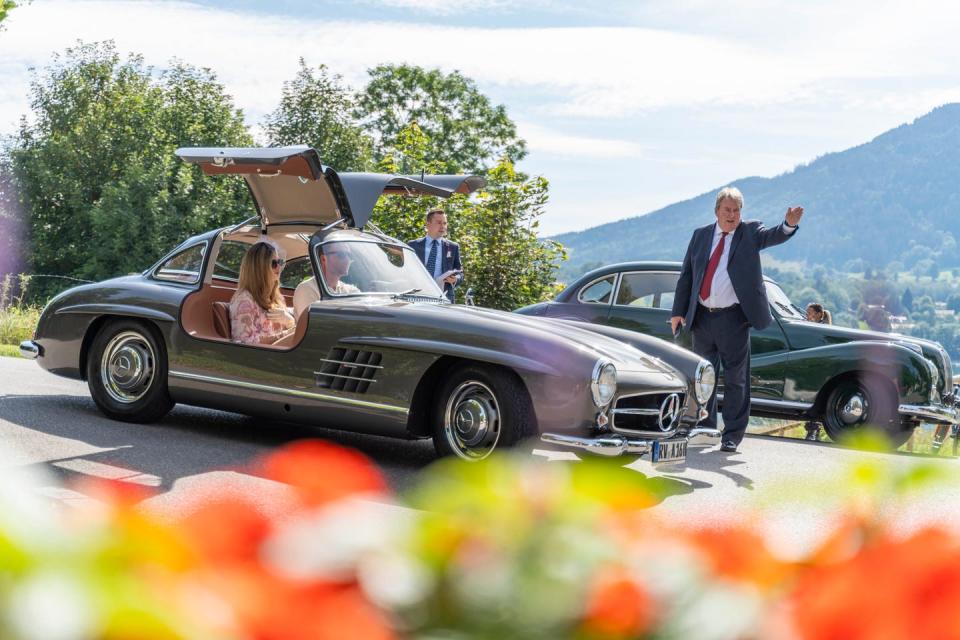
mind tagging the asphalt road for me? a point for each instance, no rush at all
(49, 424)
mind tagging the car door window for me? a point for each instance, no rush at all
(295, 272)
(227, 263)
(598, 291)
(647, 289)
(184, 266)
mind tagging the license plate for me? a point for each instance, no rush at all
(668, 451)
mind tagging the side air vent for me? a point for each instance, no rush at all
(348, 370)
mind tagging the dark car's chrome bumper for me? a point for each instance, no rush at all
(30, 350)
(931, 413)
(614, 444)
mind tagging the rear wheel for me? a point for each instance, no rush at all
(862, 403)
(127, 372)
(479, 409)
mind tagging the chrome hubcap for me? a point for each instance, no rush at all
(854, 409)
(127, 368)
(471, 421)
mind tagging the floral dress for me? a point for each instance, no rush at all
(250, 323)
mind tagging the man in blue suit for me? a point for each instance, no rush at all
(720, 295)
(438, 254)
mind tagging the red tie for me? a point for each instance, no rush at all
(712, 268)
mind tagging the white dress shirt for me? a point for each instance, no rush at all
(721, 291)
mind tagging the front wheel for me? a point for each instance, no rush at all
(127, 372)
(481, 408)
(864, 403)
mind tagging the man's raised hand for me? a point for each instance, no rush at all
(793, 215)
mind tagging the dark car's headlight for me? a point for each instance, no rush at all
(604, 383)
(704, 382)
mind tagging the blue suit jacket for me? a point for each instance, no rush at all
(449, 259)
(743, 267)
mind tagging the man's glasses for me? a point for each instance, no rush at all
(337, 253)
(277, 262)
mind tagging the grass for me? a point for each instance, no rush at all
(9, 351)
(16, 325)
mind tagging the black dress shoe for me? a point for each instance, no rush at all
(729, 446)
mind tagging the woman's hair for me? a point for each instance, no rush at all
(256, 273)
(823, 314)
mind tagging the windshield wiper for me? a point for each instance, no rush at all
(788, 310)
(408, 292)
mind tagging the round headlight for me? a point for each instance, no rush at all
(705, 381)
(604, 383)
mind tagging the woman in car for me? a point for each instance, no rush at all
(258, 314)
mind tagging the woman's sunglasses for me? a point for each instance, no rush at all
(277, 262)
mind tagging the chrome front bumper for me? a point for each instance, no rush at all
(30, 350)
(611, 445)
(931, 413)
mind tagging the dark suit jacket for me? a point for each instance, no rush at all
(449, 259)
(743, 267)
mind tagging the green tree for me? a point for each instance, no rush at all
(906, 301)
(505, 262)
(316, 109)
(6, 6)
(95, 166)
(466, 132)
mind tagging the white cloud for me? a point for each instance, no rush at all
(588, 72)
(543, 140)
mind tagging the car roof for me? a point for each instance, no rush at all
(623, 267)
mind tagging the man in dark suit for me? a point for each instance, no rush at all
(438, 254)
(720, 295)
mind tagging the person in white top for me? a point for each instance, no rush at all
(335, 263)
(720, 295)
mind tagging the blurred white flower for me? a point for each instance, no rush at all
(51, 605)
(331, 542)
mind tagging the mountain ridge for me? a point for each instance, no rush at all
(893, 199)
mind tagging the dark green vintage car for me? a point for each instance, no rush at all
(386, 355)
(846, 378)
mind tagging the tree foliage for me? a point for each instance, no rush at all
(316, 109)
(504, 261)
(465, 131)
(6, 6)
(96, 162)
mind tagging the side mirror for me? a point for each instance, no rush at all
(468, 298)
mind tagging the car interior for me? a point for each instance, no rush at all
(205, 313)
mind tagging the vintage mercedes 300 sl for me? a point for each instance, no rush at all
(392, 357)
(846, 378)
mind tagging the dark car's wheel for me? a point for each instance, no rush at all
(864, 403)
(127, 372)
(481, 408)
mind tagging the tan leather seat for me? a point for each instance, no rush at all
(221, 319)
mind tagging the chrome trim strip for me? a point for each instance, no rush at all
(289, 392)
(934, 413)
(30, 350)
(351, 365)
(781, 404)
(340, 375)
(637, 412)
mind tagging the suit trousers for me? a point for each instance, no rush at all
(723, 337)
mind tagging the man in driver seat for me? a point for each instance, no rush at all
(335, 264)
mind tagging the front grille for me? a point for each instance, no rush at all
(348, 370)
(641, 413)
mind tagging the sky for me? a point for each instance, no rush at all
(626, 106)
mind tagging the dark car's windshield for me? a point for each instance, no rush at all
(781, 303)
(354, 267)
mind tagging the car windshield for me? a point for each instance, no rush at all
(357, 267)
(781, 303)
